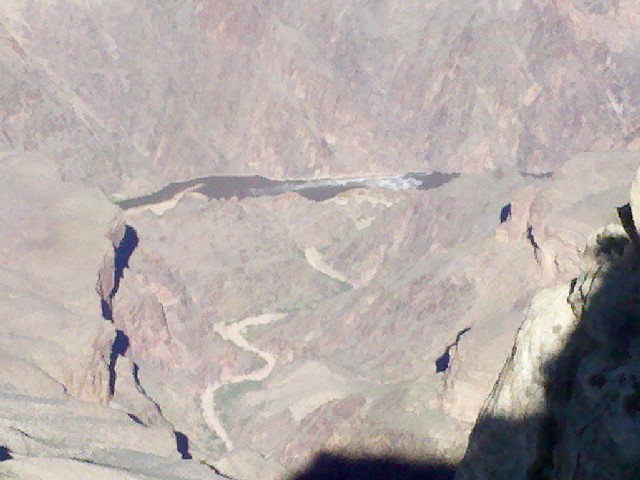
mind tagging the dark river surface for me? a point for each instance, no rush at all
(224, 187)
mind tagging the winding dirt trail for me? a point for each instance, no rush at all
(315, 260)
(234, 332)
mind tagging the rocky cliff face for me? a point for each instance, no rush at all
(255, 333)
(375, 321)
(59, 417)
(132, 95)
(54, 241)
(567, 403)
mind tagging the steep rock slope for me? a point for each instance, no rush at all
(54, 244)
(270, 329)
(131, 95)
(58, 417)
(566, 404)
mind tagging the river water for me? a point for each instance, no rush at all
(224, 187)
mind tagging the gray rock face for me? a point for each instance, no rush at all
(376, 321)
(566, 403)
(54, 241)
(253, 333)
(130, 96)
(58, 417)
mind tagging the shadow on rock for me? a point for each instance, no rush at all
(123, 253)
(566, 406)
(182, 445)
(574, 414)
(5, 454)
(330, 466)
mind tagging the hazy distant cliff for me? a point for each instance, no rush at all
(131, 95)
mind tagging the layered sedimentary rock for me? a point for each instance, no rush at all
(58, 418)
(252, 332)
(54, 242)
(272, 328)
(130, 96)
(566, 403)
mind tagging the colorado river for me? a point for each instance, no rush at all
(220, 187)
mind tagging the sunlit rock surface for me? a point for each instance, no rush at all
(376, 321)
(566, 403)
(130, 96)
(254, 333)
(57, 415)
(54, 239)
(251, 332)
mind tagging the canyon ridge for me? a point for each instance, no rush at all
(241, 239)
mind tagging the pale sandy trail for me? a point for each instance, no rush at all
(234, 332)
(315, 260)
(159, 208)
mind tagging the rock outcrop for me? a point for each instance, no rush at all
(58, 415)
(381, 318)
(253, 333)
(567, 403)
(54, 242)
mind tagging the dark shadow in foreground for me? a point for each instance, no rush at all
(329, 466)
(588, 425)
(584, 400)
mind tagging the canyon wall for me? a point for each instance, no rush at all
(566, 403)
(132, 95)
(250, 336)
